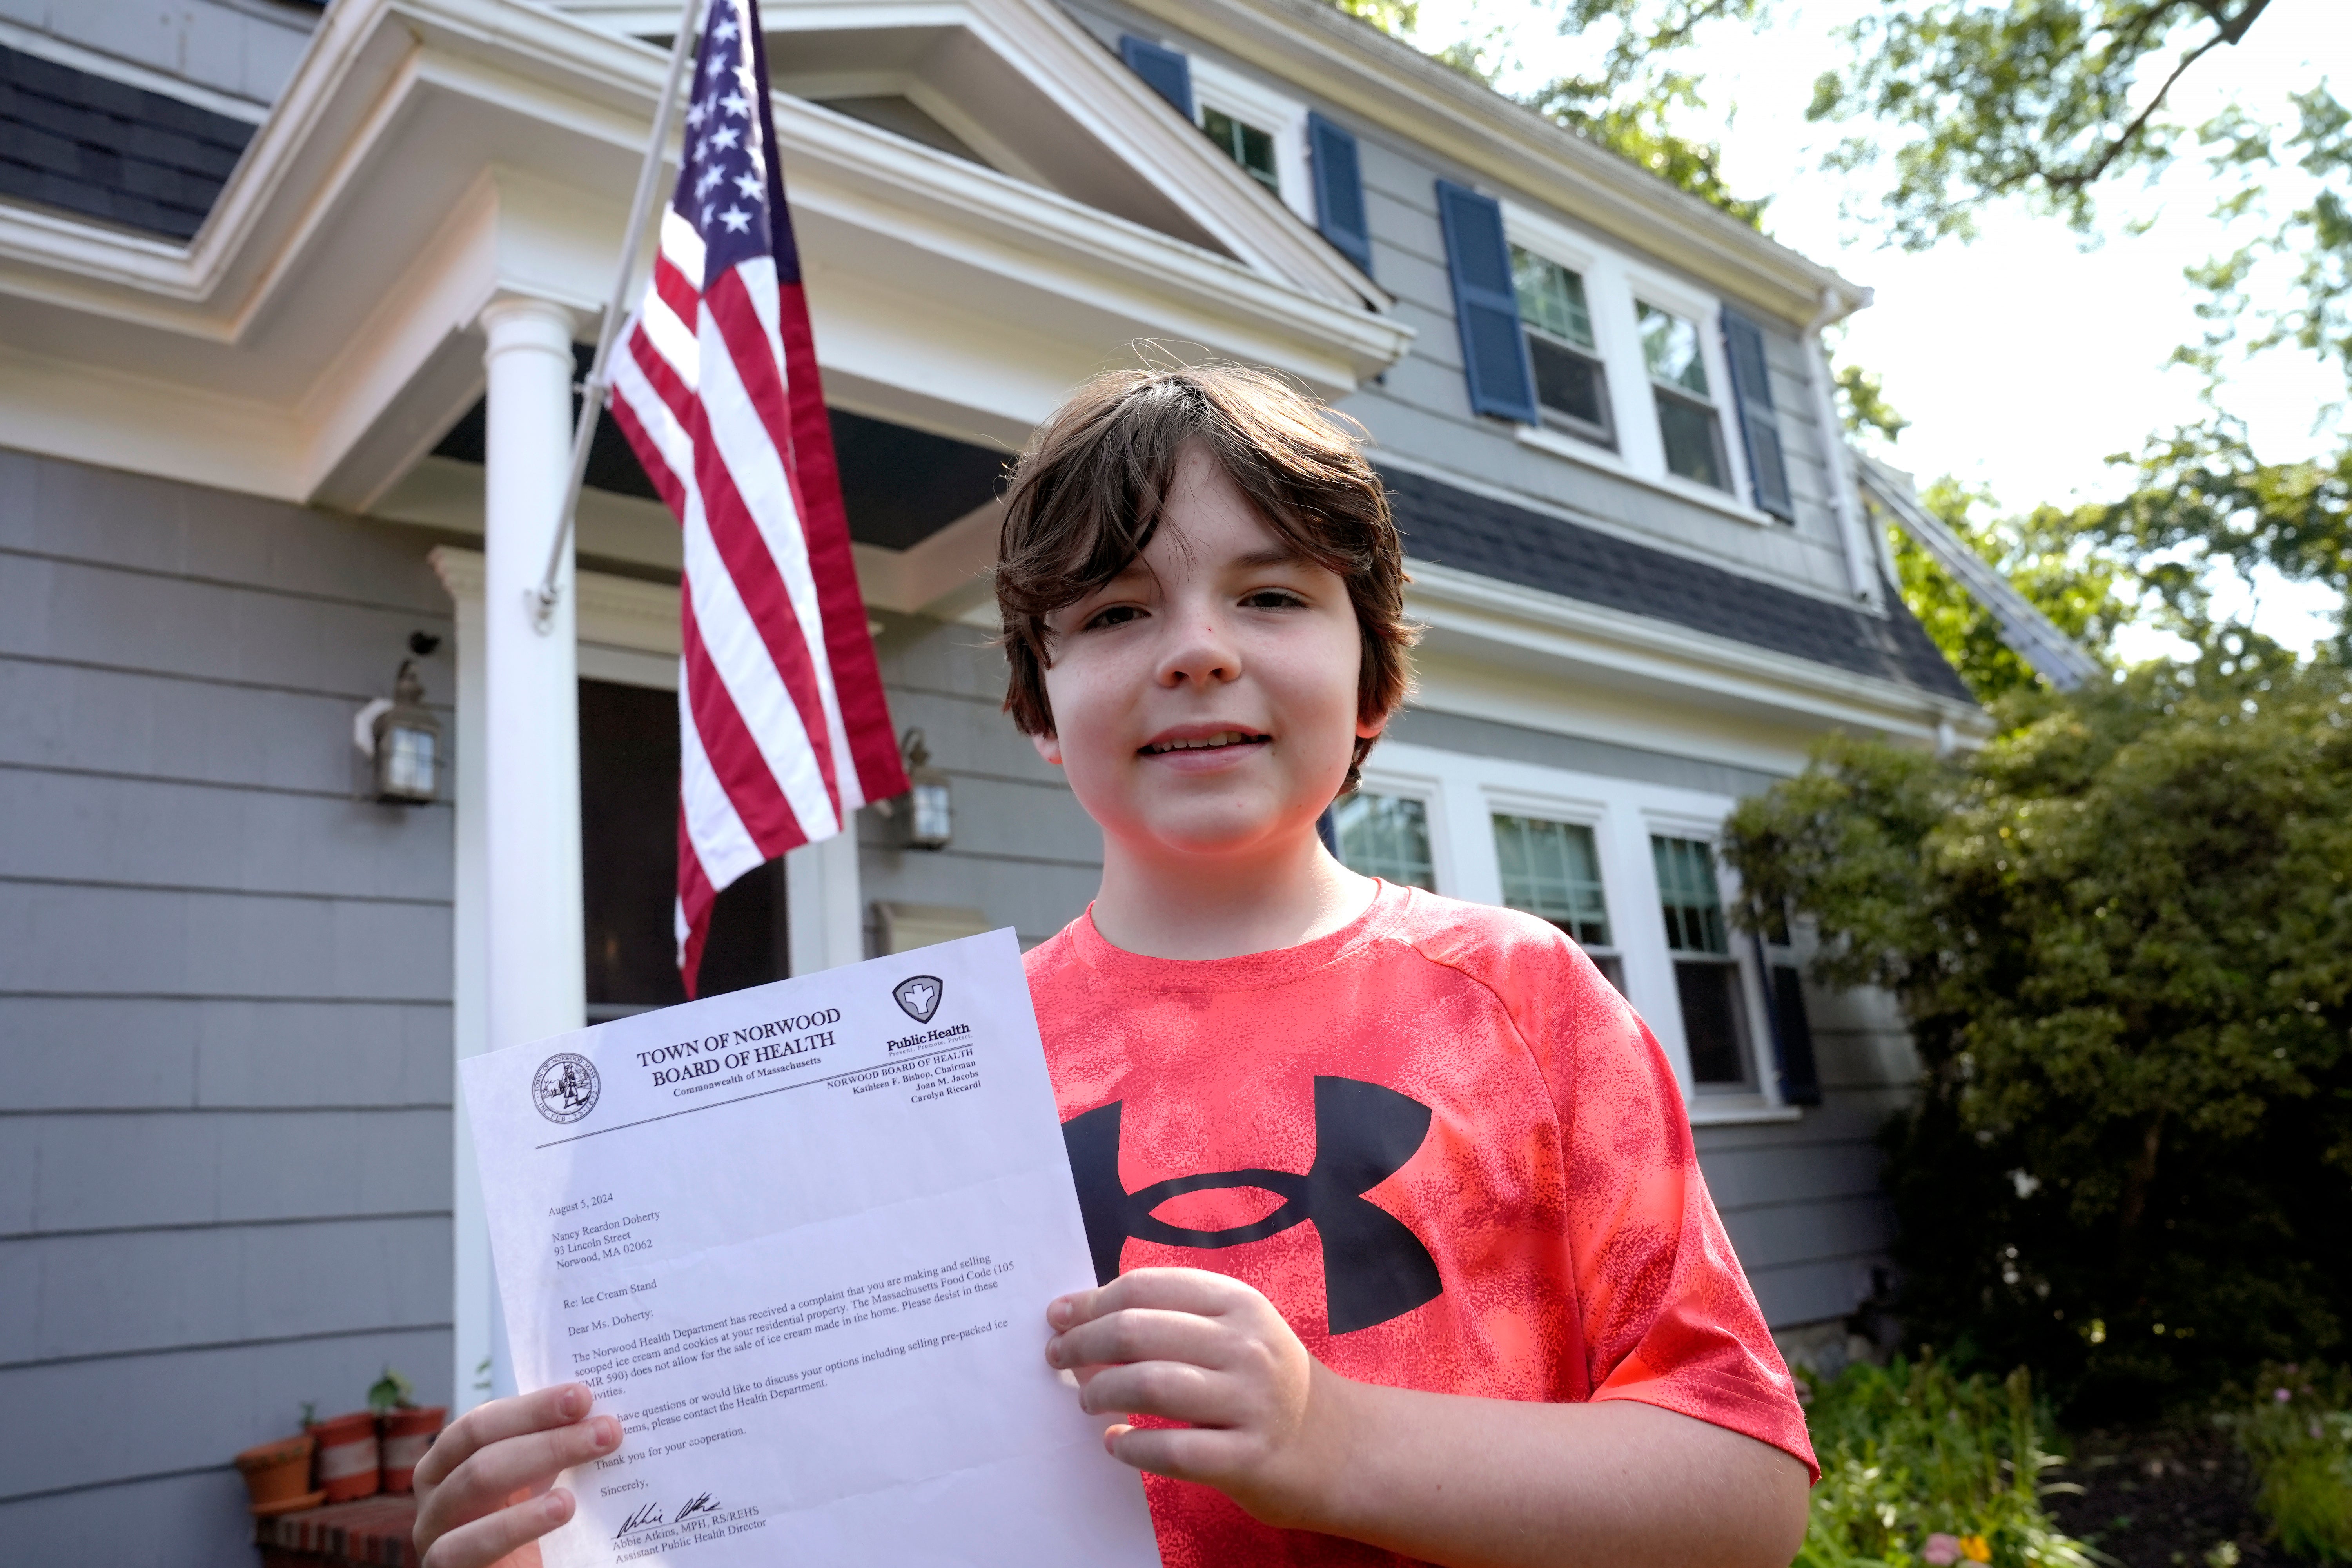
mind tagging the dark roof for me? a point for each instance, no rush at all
(71, 139)
(1448, 527)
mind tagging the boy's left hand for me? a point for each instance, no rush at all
(1197, 1347)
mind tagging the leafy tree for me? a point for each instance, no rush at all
(1396, 17)
(1639, 127)
(1862, 404)
(2088, 593)
(2122, 934)
(2039, 98)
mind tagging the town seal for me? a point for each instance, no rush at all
(565, 1087)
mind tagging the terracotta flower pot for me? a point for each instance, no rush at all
(348, 1456)
(277, 1472)
(406, 1435)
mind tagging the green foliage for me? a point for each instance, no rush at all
(1862, 405)
(1910, 1452)
(2298, 1432)
(2037, 98)
(1637, 125)
(2205, 502)
(2121, 935)
(390, 1392)
(2086, 593)
(1395, 17)
(2314, 239)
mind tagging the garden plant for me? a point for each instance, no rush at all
(1922, 1465)
(2298, 1432)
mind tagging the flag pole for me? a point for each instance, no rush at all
(541, 600)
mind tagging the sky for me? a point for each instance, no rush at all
(2023, 359)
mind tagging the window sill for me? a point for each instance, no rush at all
(1608, 462)
(1733, 1110)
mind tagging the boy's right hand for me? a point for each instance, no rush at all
(487, 1487)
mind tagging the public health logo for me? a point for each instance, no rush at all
(919, 996)
(565, 1087)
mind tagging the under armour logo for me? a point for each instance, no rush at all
(1373, 1268)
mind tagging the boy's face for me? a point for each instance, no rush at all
(1204, 701)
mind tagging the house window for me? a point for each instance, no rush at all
(1385, 836)
(1552, 871)
(1245, 144)
(1571, 385)
(1707, 976)
(1687, 421)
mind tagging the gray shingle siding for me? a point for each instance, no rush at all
(105, 150)
(225, 1019)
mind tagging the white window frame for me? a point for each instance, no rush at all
(1707, 829)
(1406, 785)
(1283, 119)
(1614, 285)
(1462, 795)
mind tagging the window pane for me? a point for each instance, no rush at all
(1567, 383)
(1550, 870)
(1613, 970)
(1711, 1021)
(1670, 344)
(1385, 836)
(1551, 298)
(1687, 887)
(1245, 144)
(1689, 432)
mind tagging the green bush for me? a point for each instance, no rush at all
(2298, 1432)
(1922, 1466)
(2121, 935)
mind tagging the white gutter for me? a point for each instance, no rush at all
(1861, 560)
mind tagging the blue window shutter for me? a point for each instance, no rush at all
(1165, 71)
(1486, 306)
(1759, 423)
(1340, 190)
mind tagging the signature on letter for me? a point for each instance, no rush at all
(650, 1515)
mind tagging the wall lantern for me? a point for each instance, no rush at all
(403, 740)
(929, 819)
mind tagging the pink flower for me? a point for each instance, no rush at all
(2281, 1395)
(1942, 1550)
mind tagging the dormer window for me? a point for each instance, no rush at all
(1258, 127)
(1245, 144)
(1571, 383)
(1687, 425)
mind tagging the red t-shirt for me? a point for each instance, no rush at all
(1438, 1142)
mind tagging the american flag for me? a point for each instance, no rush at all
(783, 732)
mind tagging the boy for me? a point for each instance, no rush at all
(1514, 1332)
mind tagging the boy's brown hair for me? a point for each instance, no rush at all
(1087, 494)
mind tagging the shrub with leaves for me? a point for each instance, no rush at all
(2121, 935)
(1920, 1466)
(2298, 1432)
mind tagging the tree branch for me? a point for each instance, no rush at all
(2227, 32)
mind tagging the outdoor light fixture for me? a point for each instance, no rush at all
(402, 739)
(929, 819)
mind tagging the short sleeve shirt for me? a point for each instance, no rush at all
(1442, 1146)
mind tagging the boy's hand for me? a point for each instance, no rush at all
(483, 1489)
(1200, 1348)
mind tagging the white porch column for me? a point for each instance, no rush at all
(825, 912)
(537, 971)
(476, 1307)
